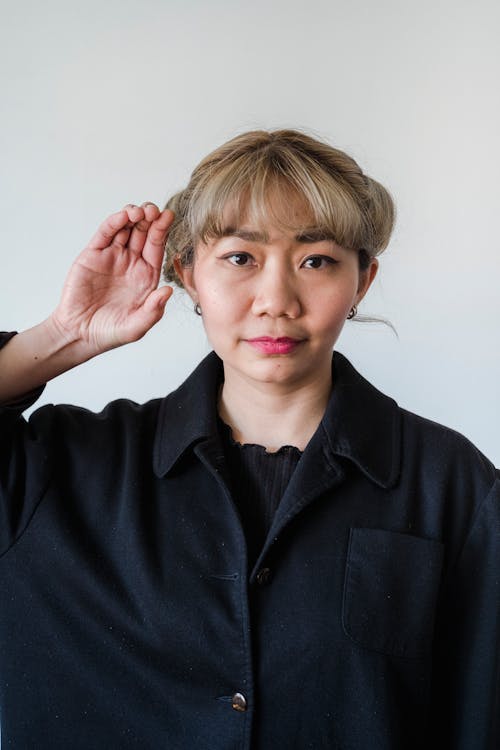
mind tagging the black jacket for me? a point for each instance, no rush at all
(129, 619)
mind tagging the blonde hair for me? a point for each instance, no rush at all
(248, 173)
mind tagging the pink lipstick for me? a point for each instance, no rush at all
(268, 345)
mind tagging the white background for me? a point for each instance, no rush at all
(103, 103)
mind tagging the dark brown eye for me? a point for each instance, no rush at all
(239, 259)
(318, 261)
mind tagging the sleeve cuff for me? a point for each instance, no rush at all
(27, 399)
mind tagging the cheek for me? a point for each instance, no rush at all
(220, 313)
(221, 300)
(331, 307)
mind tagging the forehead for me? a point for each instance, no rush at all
(256, 219)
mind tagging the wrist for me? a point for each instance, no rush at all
(62, 342)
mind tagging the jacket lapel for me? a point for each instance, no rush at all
(360, 425)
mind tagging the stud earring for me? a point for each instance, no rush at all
(197, 308)
(352, 312)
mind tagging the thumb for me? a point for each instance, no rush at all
(143, 319)
(157, 300)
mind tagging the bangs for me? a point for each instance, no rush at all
(281, 178)
(286, 191)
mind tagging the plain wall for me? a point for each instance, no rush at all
(105, 103)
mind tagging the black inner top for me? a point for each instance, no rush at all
(257, 480)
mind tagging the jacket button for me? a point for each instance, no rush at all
(263, 576)
(239, 702)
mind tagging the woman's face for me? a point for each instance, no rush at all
(274, 301)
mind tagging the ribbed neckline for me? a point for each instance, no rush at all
(255, 447)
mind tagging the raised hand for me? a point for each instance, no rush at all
(111, 295)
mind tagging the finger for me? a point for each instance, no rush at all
(135, 213)
(138, 235)
(154, 246)
(108, 230)
(151, 211)
(121, 238)
(139, 231)
(110, 227)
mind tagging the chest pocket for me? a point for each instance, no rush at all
(390, 591)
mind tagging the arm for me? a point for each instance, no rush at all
(466, 701)
(110, 298)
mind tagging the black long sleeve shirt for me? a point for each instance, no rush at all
(131, 615)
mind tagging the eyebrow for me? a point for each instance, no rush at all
(313, 234)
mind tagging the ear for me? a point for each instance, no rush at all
(365, 279)
(186, 275)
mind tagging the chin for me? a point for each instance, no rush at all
(277, 370)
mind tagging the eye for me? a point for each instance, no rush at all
(239, 259)
(318, 261)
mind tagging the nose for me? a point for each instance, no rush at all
(275, 294)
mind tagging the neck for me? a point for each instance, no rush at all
(273, 416)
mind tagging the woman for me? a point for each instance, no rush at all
(273, 556)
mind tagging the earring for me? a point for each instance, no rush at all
(197, 308)
(352, 312)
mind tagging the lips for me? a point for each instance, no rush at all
(269, 345)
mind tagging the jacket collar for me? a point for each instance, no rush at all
(360, 424)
